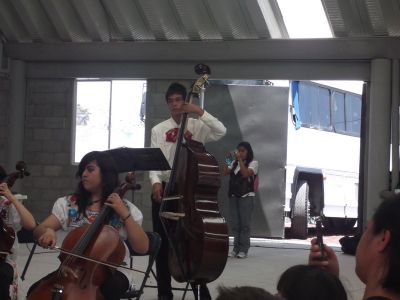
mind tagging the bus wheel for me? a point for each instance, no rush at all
(300, 212)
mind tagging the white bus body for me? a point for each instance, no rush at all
(323, 158)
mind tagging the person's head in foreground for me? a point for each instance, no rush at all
(244, 293)
(377, 254)
(306, 282)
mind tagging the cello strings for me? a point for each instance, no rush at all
(69, 260)
(71, 255)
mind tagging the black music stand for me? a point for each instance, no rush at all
(139, 159)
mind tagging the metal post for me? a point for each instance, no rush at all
(377, 140)
(395, 124)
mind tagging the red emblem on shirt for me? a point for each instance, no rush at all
(170, 135)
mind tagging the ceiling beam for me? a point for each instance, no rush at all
(295, 70)
(249, 50)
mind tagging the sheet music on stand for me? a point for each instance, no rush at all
(139, 159)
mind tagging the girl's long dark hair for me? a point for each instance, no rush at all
(109, 178)
(250, 154)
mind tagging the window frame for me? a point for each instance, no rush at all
(110, 101)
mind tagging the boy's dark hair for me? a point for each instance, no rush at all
(387, 217)
(306, 282)
(176, 88)
(109, 177)
(244, 293)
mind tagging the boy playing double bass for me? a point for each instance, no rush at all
(204, 129)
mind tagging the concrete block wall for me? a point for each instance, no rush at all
(4, 96)
(47, 143)
(156, 111)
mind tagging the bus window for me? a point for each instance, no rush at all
(338, 121)
(353, 114)
(314, 106)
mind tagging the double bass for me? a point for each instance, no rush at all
(7, 233)
(196, 231)
(84, 252)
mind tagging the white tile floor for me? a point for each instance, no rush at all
(266, 261)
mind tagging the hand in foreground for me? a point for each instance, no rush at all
(329, 262)
(48, 239)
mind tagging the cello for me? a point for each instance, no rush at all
(84, 251)
(197, 233)
(7, 233)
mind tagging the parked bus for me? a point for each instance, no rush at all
(323, 146)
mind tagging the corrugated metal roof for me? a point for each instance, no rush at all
(363, 18)
(83, 21)
(110, 30)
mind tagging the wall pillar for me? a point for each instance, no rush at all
(395, 124)
(377, 140)
(16, 115)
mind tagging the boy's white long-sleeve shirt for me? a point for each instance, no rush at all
(206, 128)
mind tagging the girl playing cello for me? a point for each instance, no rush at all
(98, 179)
(13, 214)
